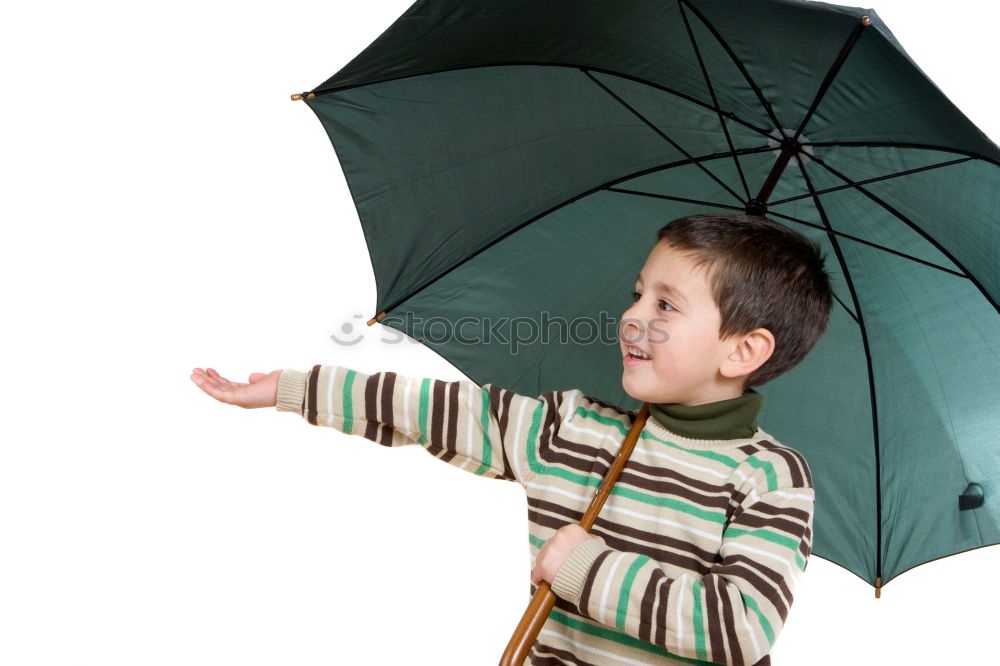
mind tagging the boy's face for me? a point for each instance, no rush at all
(675, 321)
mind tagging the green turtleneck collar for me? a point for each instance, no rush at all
(725, 419)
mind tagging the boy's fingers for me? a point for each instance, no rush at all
(213, 388)
(215, 375)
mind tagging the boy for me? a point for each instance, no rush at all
(696, 553)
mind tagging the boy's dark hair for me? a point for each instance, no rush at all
(762, 275)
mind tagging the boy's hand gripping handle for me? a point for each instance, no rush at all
(544, 599)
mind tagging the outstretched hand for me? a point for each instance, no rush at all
(262, 391)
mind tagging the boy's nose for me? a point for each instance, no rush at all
(630, 328)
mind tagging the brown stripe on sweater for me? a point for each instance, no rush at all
(505, 398)
(618, 410)
(551, 414)
(385, 431)
(663, 596)
(777, 522)
(792, 462)
(771, 510)
(543, 520)
(451, 430)
(588, 585)
(313, 380)
(728, 622)
(646, 620)
(761, 585)
(803, 465)
(762, 570)
(571, 514)
(499, 406)
(717, 649)
(437, 413)
(388, 394)
(586, 453)
(371, 407)
(569, 607)
(546, 655)
(805, 546)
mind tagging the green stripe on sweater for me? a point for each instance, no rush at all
(772, 478)
(348, 403)
(626, 590)
(768, 535)
(699, 620)
(425, 390)
(484, 422)
(752, 605)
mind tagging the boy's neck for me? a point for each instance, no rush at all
(733, 418)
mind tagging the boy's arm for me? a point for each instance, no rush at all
(481, 429)
(730, 615)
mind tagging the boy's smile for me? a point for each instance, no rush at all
(669, 337)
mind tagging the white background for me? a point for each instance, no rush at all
(166, 206)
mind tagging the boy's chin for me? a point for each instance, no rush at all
(637, 393)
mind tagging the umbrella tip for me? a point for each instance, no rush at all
(878, 587)
(379, 317)
(298, 97)
(866, 20)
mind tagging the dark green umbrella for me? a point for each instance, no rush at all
(512, 161)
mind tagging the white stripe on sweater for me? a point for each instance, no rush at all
(330, 378)
(607, 587)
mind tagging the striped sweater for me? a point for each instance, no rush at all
(704, 540)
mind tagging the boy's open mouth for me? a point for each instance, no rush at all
(635, 355)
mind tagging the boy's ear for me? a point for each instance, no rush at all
(749, 352)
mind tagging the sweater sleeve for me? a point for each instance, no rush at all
(730, 615)
(486, 430)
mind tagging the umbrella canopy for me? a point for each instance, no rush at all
(511, 163)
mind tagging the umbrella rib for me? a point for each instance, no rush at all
(908, 222)
(847, 310)
(736, 61)
(653, 195)
(715, 100)
(669, 91)
(673, 143)
(602, 186)
(873, 180)
(915, 146)
(856, 239)
(831, 74)
(868, 361)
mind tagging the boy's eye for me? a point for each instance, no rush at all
(635, 296)
(666, 306)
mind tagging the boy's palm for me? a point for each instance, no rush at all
(262, 391)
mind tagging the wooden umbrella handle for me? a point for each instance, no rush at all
(544, 598)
